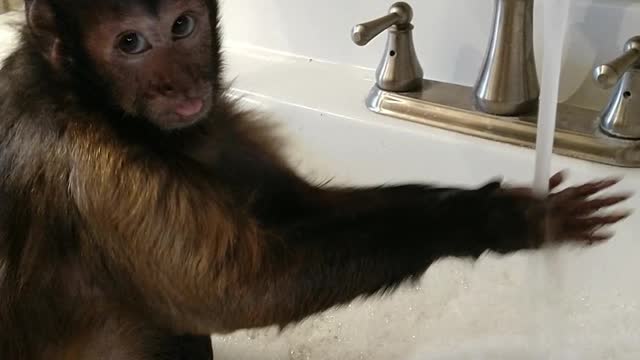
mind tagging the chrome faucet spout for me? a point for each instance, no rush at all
(508, 82)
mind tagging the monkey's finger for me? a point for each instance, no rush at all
(557, 180)
(586, 190)
(592, 206)
(583, 237)
(593, 238)
(596, 187)
(494, 185)
(591, 223)
(496, 180)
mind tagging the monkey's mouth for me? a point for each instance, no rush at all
(178, 112)
(189, 108)
(188, 111)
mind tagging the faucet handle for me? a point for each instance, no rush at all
(399, 70)
(609, 74)
(400, 14)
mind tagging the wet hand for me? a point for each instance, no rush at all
(576, 213)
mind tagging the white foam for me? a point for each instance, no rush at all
(461, 311)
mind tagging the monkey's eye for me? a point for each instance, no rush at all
(133, 43)
(183, 26)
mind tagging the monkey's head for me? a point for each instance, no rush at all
(156, 60)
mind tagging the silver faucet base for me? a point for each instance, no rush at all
(451, 107)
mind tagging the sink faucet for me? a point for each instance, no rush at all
(508, 83)
(620, 117)
(399, 69)
(502, 105)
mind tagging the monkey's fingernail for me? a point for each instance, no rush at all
(623, 213)
(602, 229)
(604, 235)
(614, 199)
(626, 196)
(599, 236)
(617, 216)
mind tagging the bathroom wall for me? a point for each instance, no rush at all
(451, 35)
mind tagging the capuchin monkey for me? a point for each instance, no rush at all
(141, 210)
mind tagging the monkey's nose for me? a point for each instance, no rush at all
(166, 90)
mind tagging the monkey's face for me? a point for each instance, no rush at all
(159, 63)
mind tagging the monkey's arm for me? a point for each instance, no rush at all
(358, 242)
(202, 262)
(371, 240)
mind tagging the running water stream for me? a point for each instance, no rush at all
(547, 269)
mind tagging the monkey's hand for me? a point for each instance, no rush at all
(573, 214)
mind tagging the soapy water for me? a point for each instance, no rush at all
(459, 310)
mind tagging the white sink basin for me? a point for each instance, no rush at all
(461, 310)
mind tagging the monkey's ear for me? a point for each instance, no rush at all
(41, 19)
